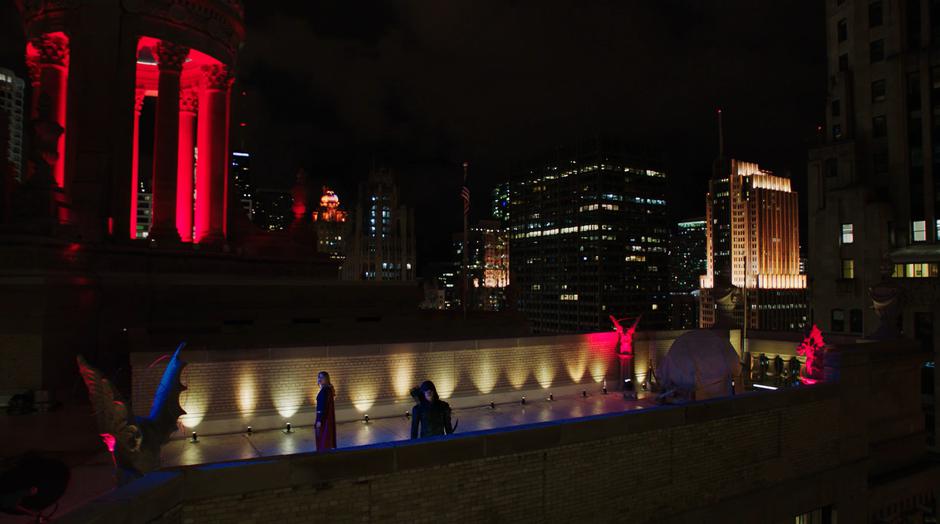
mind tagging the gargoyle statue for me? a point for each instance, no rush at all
(135, 442)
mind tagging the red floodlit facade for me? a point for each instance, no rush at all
(180, 53)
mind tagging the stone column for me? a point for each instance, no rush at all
(185, 166)
(32, 65)
(53, 81)
(135, 181)
(170, 59)
(212, 162)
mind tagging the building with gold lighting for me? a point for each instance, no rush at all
(753, 249)
(330, 224)
(487, 266)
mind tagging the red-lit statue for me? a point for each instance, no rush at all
(813, 348)
(625, 354)
(135, 442)
(625, 338)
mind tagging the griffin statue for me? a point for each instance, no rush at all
(135, 442)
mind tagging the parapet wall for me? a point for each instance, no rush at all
(650, 465)
(263, 388)
(854, 443)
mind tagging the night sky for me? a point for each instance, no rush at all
(335, 87)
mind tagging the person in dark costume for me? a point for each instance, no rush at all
(325, 426)
(431, 416)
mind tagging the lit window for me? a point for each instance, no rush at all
(569, 297)
(920, 230)
(848, 233)
(848, 268)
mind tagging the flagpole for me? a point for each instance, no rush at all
(466, 208)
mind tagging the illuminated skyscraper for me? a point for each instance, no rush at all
(271, 209)
(488, 261)
(686, 265)
(501, 202)
(330, 224)
(381, 241)
(752, 246)
(241, 179)
(11, 102)
(588, 240)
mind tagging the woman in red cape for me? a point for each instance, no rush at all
(325, 427)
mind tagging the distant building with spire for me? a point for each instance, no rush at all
(753, 249)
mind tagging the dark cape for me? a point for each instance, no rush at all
(431, 419)
(326, 416)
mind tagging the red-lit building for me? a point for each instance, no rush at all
(180, 55)
(330, 224)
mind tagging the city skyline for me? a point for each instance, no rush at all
(226, 203)
(648, 54)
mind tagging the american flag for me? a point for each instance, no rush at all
(464, 191)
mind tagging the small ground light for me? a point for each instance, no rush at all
(629, 391)
(287, 428)
(195, 438)
(492, 405)
(523, 400)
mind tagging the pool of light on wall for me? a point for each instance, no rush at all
(402, 369)
(247, 391)
(576, 365)
(485, 374)
(288, 397)
(194, 399)
(363, 396)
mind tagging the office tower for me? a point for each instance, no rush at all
(501, 202)
(687, 261)
(488, 265)
(271, 209)
(588, 240)
(874, 180)
(241, 180)
(11, 102)
(381, 241)
(753, 249)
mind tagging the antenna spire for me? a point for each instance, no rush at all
(721, 136)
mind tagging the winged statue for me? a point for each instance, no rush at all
(134, 441)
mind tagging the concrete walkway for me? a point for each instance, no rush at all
(221, 448)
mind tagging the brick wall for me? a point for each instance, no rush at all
(641, 466)
(258, 386)
(853, 443)
(265, 387)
